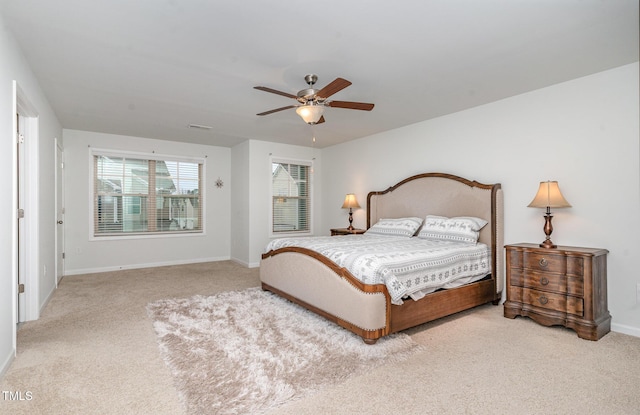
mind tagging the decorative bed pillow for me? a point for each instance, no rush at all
(461, 229)
(395, 227)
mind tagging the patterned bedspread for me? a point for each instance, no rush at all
(409, 267)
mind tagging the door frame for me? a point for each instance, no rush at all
(29, 184)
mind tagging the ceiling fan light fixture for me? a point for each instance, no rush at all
(310, 113)
(311, 102)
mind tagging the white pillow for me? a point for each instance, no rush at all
(395, 227)
(461, 229)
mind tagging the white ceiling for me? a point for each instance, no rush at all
(149, 68)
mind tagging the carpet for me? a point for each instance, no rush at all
(249, 351)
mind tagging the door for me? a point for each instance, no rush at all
(59, 212)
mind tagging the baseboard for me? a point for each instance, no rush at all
(138, 266)
(46, 301)
(625, 329)
(245, 263)
(240, 262)
(7, 364)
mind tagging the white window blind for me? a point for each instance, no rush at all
(290, 191)
(134, 194)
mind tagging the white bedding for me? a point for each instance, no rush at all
(409, 267)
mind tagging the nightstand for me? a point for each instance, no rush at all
(345, 231)
(564, 286)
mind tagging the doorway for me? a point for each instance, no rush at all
(26, 250)
(59, 212)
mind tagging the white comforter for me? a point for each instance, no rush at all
(407, 266)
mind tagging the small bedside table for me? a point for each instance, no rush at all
(564, 286)
(345, 231)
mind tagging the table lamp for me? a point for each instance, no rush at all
(549, 196)
(351, 203)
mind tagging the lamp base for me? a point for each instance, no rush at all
(548, 228)
(548, 244)
(350, 220)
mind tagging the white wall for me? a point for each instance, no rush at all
(256, 194)
(240, 203)
(583, 133)
(15, 67)
(84, 255)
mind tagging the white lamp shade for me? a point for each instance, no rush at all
(350, 202)
(310, 113)
(549, 195)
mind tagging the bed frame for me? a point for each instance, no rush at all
(318, 284)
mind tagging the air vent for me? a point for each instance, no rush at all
(200, 126)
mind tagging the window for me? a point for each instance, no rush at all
(141, 194)
(290, 197)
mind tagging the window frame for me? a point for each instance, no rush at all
(310, 198)
(94, 236)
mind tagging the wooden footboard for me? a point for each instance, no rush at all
(318, 284)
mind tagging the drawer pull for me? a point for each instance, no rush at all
(543, 300)
(544, 281)
(543, 263)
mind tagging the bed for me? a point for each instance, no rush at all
(373, 310)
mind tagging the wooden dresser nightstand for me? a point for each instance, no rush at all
(346, 231)
(561, 286)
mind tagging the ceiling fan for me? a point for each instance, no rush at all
(313, 101)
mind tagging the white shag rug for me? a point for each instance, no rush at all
(246, 352)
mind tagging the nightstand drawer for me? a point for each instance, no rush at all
(551, 301)
(545, 262)
(547, 281)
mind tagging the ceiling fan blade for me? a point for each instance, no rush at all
(351, 105)
(274, 91)
(321, 120)
(337, 85)
(276, 110)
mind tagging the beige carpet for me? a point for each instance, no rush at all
(248, 351)
(94, 351)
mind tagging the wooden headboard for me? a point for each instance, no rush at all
(446, 195)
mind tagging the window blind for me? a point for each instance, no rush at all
(137, 195)
(290, 197)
